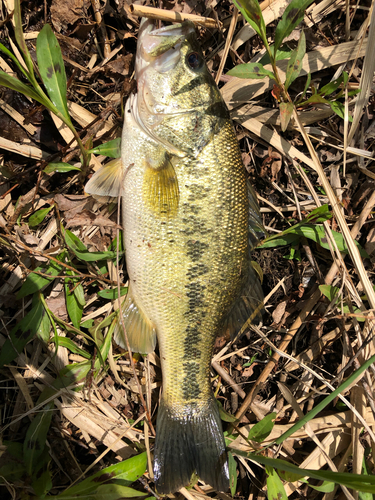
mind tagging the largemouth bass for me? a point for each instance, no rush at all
(190, 220)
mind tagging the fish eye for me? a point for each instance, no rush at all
(194, 60)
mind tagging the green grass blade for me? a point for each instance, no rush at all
(52, 69)
(21, 39)
(319, 407)
(13, 83)
(36, 437)
(112, 149)
(295, 62)
(250, 70)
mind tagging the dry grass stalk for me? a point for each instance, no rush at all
(172, 16)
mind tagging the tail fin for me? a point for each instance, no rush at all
(189, 441)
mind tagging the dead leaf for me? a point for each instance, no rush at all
(278, 313)
(68, 12)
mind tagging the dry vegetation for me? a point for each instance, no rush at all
(311, 340)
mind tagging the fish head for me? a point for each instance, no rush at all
(178, 102)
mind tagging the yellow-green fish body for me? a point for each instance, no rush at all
(187, 235)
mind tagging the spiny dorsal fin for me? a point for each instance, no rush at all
(139, 329)
(107, 181)
(160, 187)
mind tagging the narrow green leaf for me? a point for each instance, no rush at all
(52, 69)
(295, 62)
(94, 256)
(232, 465)
(14, 59)
(275, 487)
(307, 84)
(73, 242)
(23, 332)
(332, 86)
(325, 487)
(20, 38)
(59, 167)
(39, 216)
(112, 293)
(286, 111)
(224, 415)
(13, 83)
(112, 149)
(127, 471)
(262, 429)
(358, 482)
(87, 324)
(292, 16)
(44, 327)
(250, 70)
(36, 436)
(69, 344)
(73, 306)
(35, 282)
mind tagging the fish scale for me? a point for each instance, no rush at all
(188, 223)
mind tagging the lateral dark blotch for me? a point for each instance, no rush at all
(195, 249)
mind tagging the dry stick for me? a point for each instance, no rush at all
(228, 42)
(172, 16)
(228, 379)
(303, 315)
(99, 21)
(148, 414)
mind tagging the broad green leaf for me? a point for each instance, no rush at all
(338, 108)
(23, 332)
(52, 69)
(279, 241)
(252, 12)
(295, 62)
(39, 216)
(250, 70)
(59, 167)
(13, 83)
(42, 483)
(36, 436)
(112, 293)
(331, 292)
(232, 465)
(87, 324)
(262, 429)
(35, 282)
(325, 487)
(112, 149)
(275, 487)
(127, 471)
(286, 111)
(73, 306)
(292, 16)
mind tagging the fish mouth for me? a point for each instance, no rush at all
(156, 41)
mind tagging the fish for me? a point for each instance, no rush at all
(190, 219)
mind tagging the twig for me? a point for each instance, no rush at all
(173, 16)
(228, 42)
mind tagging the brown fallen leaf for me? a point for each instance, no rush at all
(68, 12)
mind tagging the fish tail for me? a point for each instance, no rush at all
(188, 441)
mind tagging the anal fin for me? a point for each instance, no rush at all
(140, 331)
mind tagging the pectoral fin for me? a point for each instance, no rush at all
(107, 181)
(139, 329)
(160, 186)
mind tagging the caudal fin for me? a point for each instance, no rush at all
(188, 441)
